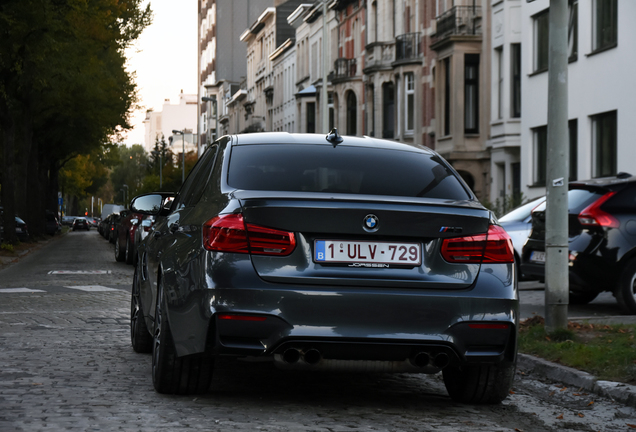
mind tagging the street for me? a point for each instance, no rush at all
(66, 363)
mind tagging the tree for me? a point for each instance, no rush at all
(64, 91)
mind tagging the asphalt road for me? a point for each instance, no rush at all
(66, 364)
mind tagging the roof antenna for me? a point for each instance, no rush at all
(334, 138)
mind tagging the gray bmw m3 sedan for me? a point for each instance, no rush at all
(325, 253)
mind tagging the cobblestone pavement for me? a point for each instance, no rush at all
(66, 364)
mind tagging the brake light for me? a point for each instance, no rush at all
(493, 247)
(229, 233)
(592, 215)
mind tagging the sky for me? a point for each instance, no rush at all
(164, 59)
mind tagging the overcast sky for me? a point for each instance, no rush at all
(164, 59)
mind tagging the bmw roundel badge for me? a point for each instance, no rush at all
(371, 223)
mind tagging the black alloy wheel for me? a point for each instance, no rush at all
(128, 255)
(190, 374)
(119, 256)
(140, 337)
(625, 292)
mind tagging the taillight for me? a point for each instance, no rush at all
(229, 233)
(592, 215)
(493, 247)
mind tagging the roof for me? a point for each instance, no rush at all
(320, 139)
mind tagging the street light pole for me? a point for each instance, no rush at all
(556, 221)
(323, 90)
(125, 194)
(178, 132)
(155, 153)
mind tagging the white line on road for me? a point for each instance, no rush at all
(91, 272)
(19, 290)
(92, 288)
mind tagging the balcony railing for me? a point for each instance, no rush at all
(459, 20)
(407, 47)
(345, 68)
(379, 55)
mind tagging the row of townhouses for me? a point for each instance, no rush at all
(467, 78)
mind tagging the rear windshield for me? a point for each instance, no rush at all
(353, 170)
(578, 200)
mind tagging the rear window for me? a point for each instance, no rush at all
(354, 170)
(578, 200)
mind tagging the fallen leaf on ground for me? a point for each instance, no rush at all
(591, 403)
(581, 415)
(560, 417)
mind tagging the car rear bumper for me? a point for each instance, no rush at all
(349, 323)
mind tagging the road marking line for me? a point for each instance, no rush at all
(19, 290)
(92, 288)
(91, 272)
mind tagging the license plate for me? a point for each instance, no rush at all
(537, 256)
(363, 252)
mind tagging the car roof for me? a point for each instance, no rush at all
(320, 139)
(619, 179)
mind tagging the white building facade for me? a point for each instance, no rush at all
(181, 116)
(601, 90)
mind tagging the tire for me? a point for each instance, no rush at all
(581, 298)
(190, 374)
(128, 255)
(626, 290)
(479, 384)
(119, 256)
(140, 337)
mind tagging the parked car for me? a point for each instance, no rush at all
(518, 224)
(52, 224)
(21, 229)
(125, 246)
(81, 224)
(113, 222)
(68, 220)
(323, 253)
(602, 240)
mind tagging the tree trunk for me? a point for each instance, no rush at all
(8, 179)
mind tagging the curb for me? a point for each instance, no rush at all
(619, 392)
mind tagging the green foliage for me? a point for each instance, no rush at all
(606, 351)
(129, 173)
(8, 247)
(64, 91)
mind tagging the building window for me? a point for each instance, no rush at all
(447, 96)
(388, 110)
(573, 136)
(540, 148)
(409, 103)
(542, 36)
(515, 55)
(471, 93)
(352, 113)
(500, 78)
(604, 146)
(573, 31)
(605, 28)
(311, 117)
(541, 40)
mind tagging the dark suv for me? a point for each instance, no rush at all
(602, 240)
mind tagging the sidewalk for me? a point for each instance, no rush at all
(619, 392)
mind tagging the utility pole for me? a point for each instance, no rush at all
(323, 90)
(558, 157)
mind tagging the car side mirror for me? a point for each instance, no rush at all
(151, 204)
